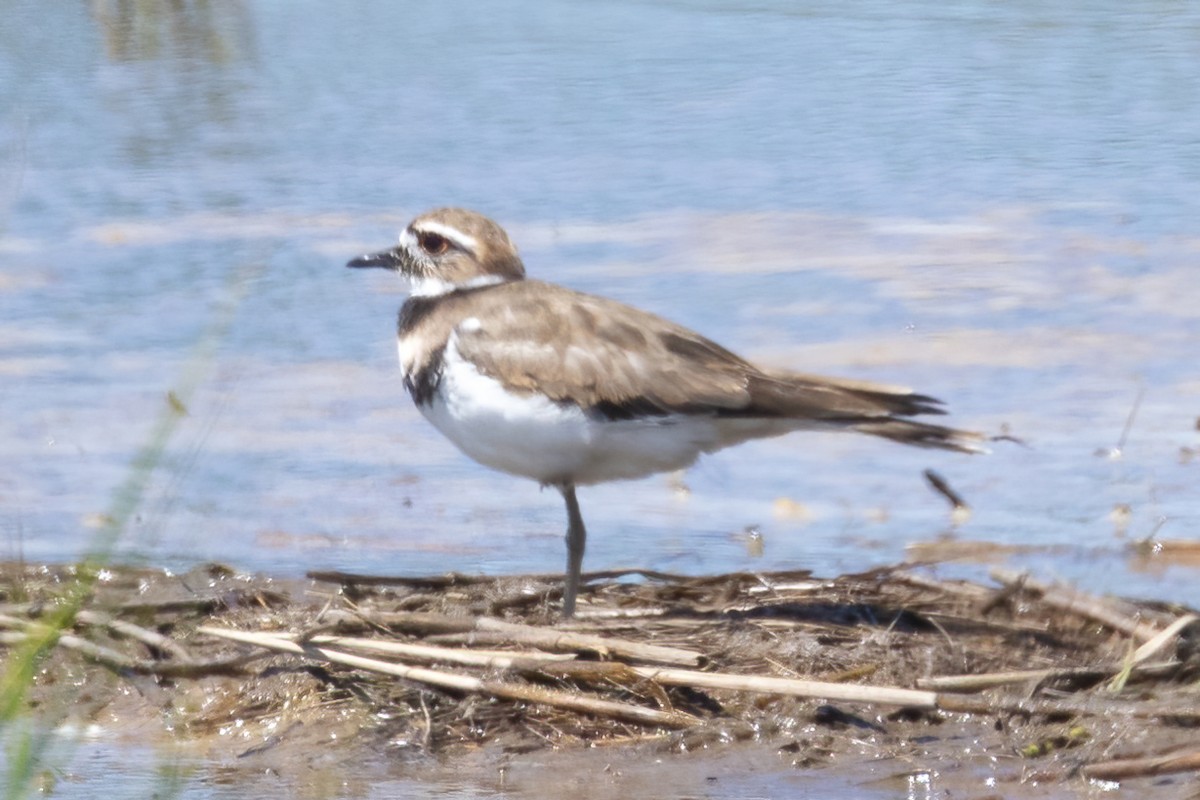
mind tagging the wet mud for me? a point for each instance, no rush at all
(880, 680)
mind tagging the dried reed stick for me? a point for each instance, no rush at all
(1118, 769)
(1080, 603)
(546, 638)
(465, 683)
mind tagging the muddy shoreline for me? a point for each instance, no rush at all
(886, 676)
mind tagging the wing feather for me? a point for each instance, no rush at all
(598, 353)
(619, 361)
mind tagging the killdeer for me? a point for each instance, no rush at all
(571, 389)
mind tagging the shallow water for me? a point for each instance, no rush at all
(87, 763)
(995, 204)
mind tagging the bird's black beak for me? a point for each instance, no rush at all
(388, 259)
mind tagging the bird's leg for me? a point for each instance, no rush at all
(576, 540)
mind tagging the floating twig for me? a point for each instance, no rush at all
(942, 487)
(1137, 404)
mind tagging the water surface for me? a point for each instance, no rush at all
(993, 203)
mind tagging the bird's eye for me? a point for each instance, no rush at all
(433, 244)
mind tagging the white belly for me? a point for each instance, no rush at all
(531, 436)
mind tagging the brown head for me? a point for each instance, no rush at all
(448, 249)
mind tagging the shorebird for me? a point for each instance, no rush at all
(571, 389)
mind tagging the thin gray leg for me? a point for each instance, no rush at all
(576, 541)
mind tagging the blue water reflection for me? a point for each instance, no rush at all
(993, 202)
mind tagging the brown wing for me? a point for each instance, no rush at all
(619, 361)
(599, 354)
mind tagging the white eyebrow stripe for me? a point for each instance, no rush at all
(462, 240)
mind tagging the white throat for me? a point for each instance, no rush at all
(435, 287)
